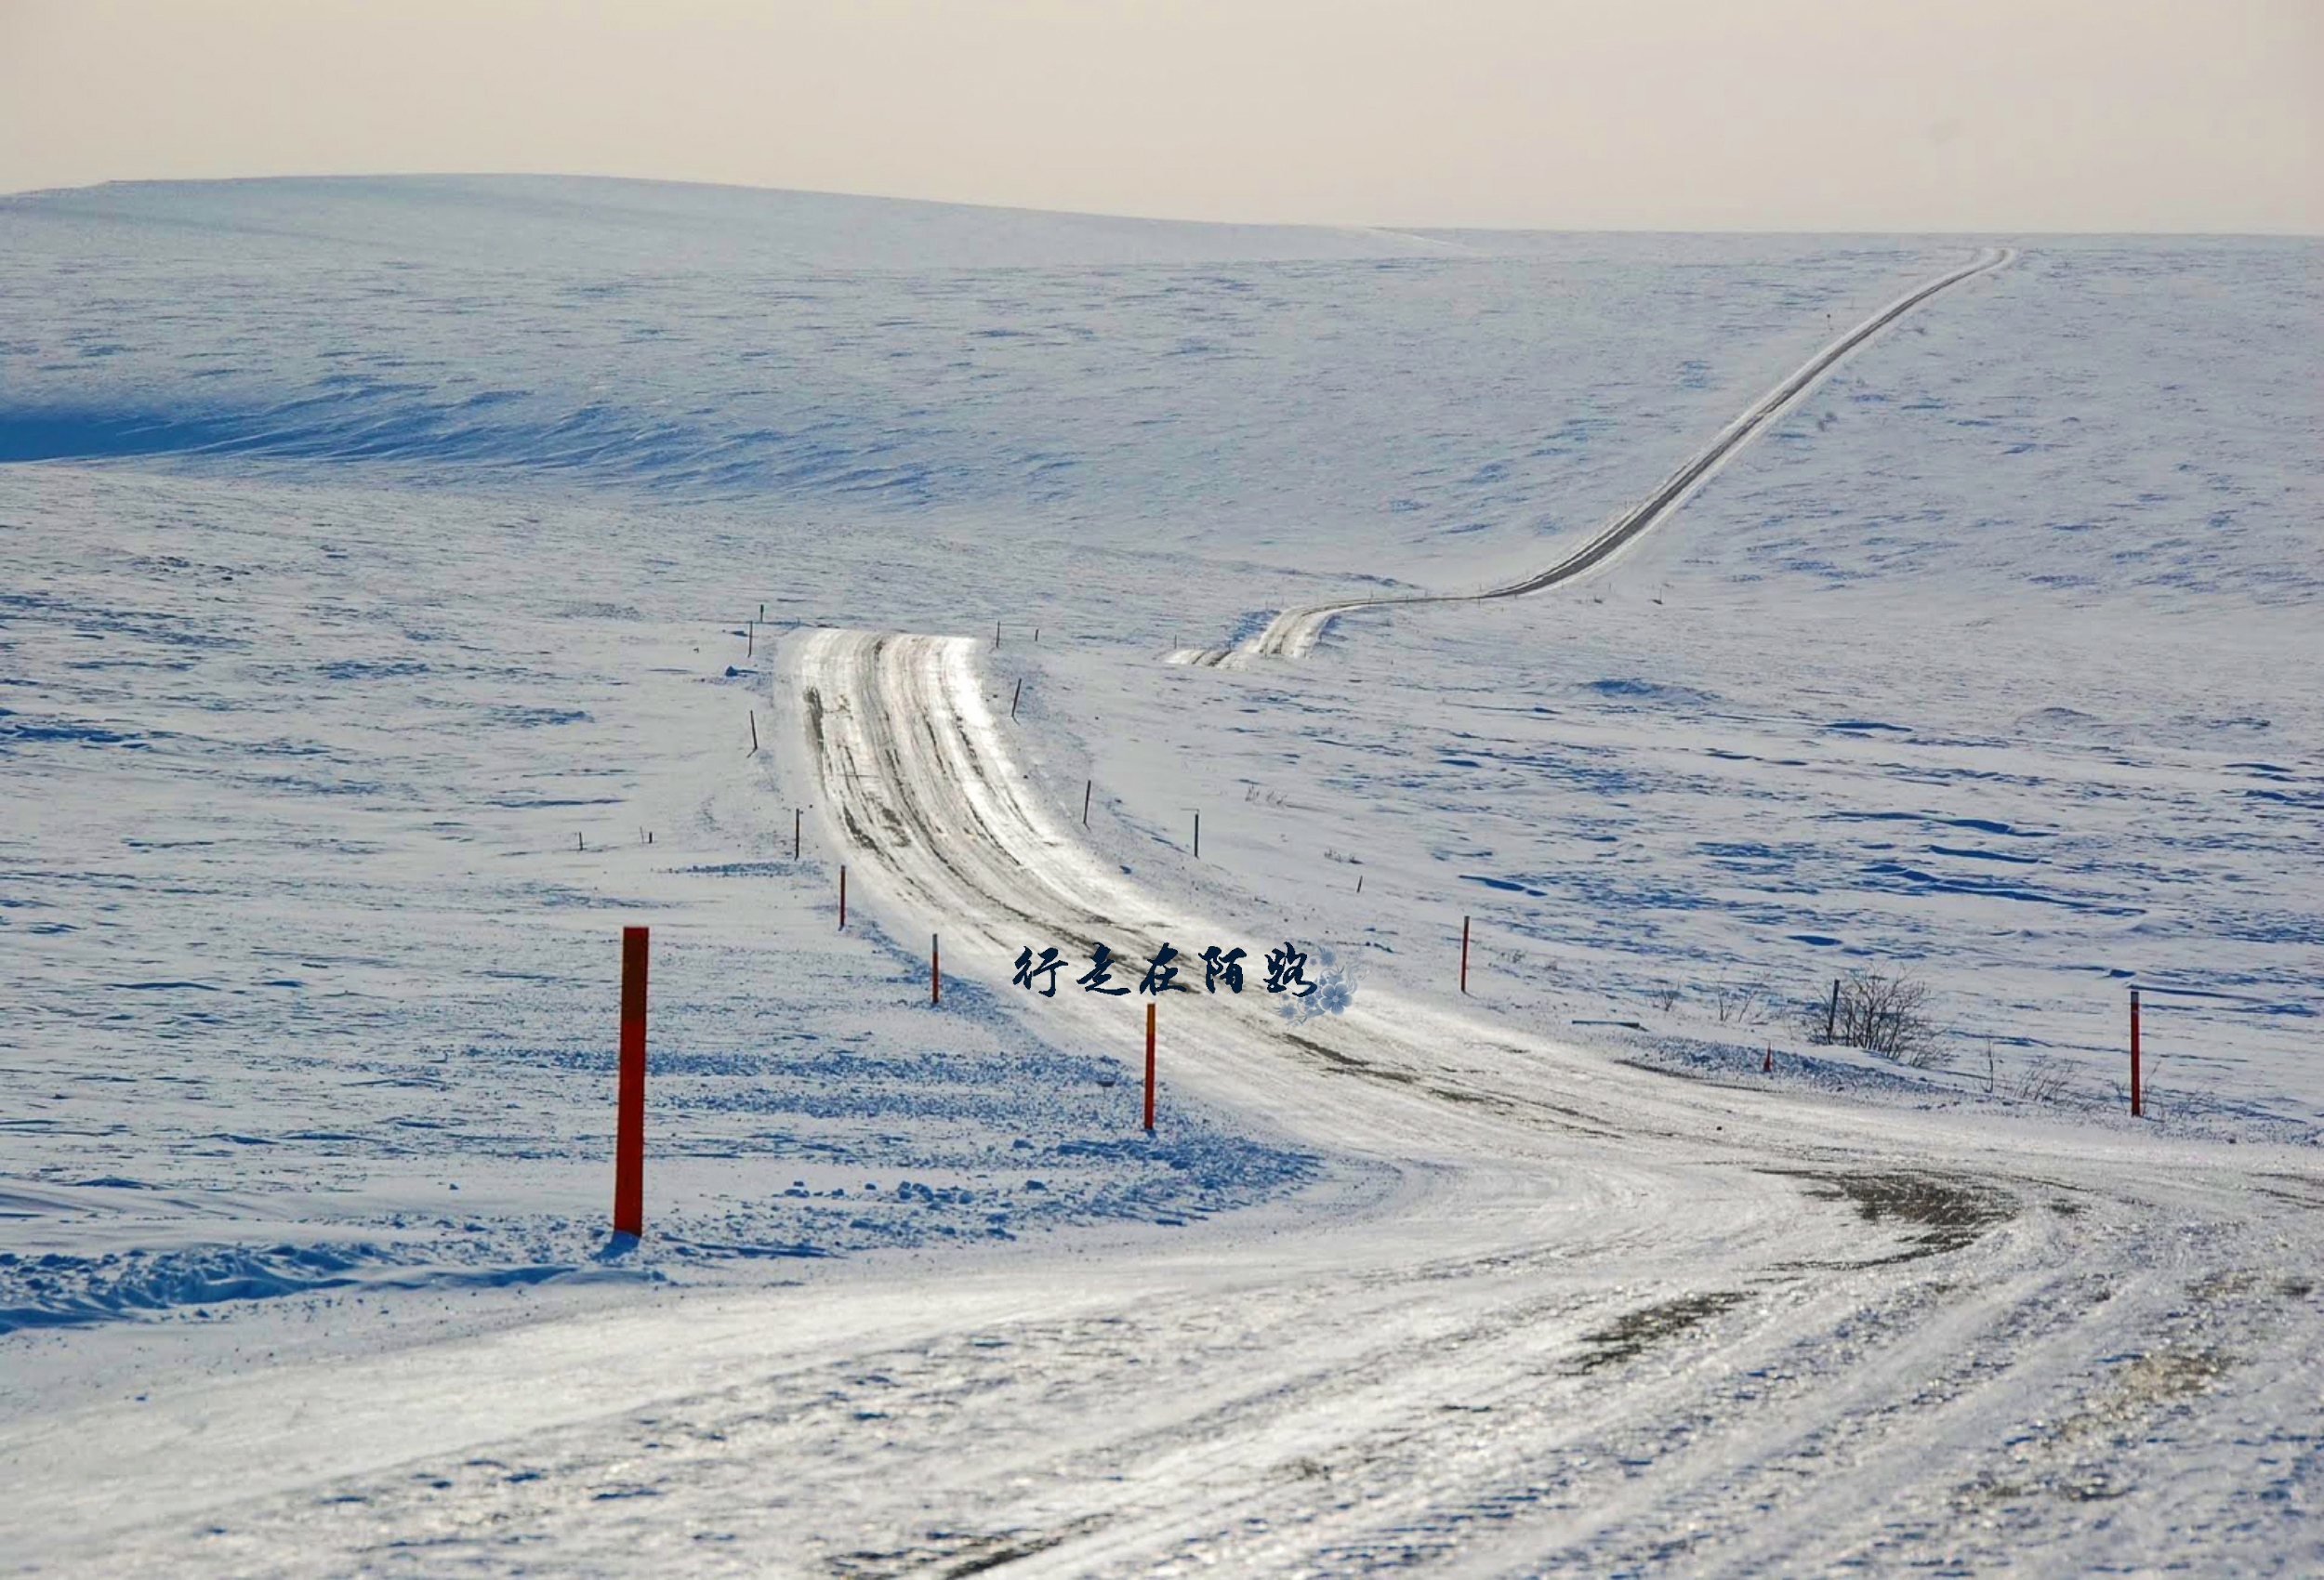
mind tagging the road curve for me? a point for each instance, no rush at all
(1294, 632)
(1548, 1310)
(1547, 1307)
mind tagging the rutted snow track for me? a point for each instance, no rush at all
(1294, 632)
(1580, 1314)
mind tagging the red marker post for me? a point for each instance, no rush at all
(1149, 1069)
(629, 1133)
(2138, 1106)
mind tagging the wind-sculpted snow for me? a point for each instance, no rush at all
(383, 634)
(311, 975)
(880, 358)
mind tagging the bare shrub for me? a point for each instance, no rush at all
(1664, 997)
(1739, 1006)
(2046, 1079)
(1886, 1015)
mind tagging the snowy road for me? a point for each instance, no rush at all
(1548, 1314)
(1543, 1311)
(1294, 632)
(1593, 1314)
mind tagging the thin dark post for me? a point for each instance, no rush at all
(936, 979)
(1359, 883)
(630, 1129)
(2138, 1104)
(1199, 836)
(794, 834)
(754, 733)
(1464, 955)
(750, 639)
(1016, 696)
(996, 636)
(843, 898)
(1831, 1016)
(1149, 1067)
(1087, 785)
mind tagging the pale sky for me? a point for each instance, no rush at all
(1992, 115)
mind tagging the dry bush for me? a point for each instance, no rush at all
(1880, 1014)
(2047, 1079)
(1744, 1005)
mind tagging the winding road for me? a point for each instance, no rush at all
(1541, 1311)
(1294, 632)
(1552, 1312)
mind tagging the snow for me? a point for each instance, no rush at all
(384, 559)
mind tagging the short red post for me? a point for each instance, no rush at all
(1464, 955)
(1149, 1069)
(843, 898)
(629, 1133)
(935, 981)
(2138, 1106)
(1769, 1067)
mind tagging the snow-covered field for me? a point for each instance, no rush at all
(383, 565)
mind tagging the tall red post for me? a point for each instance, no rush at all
(1464, 955)
(629, 1133)
(843, 898)
(1149, 1069)
(2138, 1104)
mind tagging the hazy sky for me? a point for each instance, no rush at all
(1775, 114)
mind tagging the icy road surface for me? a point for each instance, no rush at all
(1559, 1315)
(379, 638)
